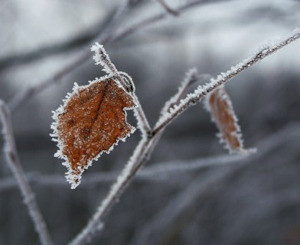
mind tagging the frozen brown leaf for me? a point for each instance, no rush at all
(219, 105)
(92, 121)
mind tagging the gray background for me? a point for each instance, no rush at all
(252, 201)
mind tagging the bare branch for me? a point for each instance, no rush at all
(160, 171)
(102, 58)
(181, 202)
(201, 92)
(84, 38)
(82, 57)
(168, 8)
(189, 195)
(26, 94)
(154, 19)
(154, 173)
(139, 158)
(96, 222)
(146, 145)
(12, 159)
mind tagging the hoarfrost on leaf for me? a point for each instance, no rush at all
(220, 107)
(92, 121)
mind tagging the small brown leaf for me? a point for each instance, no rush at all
(91, 122)
(219, 105)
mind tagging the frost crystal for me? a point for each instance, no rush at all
(220, 107)
(91, 121)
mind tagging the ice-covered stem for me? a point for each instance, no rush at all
(202, 91)
(190, 78)
(137, 160)
(146, 145)
(96, 222)
(13, 162)
(102, 58)
(143, 123)
(168, 8)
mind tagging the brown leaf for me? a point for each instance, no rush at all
(219, 105)
(91, 122)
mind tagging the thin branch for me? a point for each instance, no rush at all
(84, 55)
(168, 8)
(12, 159)
(181, 202)
(56, 48)
(96, 222)
(152, 173)
(159, 171)
(201, 92)
(84, 38)
(154, 19)
(138, 159)
(146, 145)
(102, 58)
(191, 77)
(26, 94)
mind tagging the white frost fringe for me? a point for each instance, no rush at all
(201, 91)
(72, 178)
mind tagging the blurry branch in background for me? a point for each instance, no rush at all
(13, 162)
(173, 108)
(57, 48)
(160, 172)
(157, 173)
(80, 40)
(184, 200)
(83, 56)
(107, 36)
(154, 19)
(202, 91)
(146, 145)
(168, 8)
(201, 185)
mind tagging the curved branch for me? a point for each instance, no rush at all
(104, 38)
(13, 162)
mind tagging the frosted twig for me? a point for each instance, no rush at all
(168, 8)
(190, 78)
(102, 58)
(26, 94)
(13, 162)
(201, 91)
(146, 145)
(139, 157)
(115, 191)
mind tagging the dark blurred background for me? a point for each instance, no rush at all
(246, 201)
